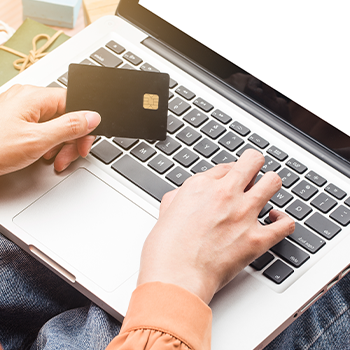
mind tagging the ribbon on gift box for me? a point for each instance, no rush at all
(35, 54)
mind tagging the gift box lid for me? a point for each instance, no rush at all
(22, 41)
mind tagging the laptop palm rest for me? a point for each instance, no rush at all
(90, 226)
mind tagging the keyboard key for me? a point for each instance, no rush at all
(118, 49)
(178, 106)
(290, 253)
(172, 83)
(195, 118)
(281, 198)
(201, 166)
(221, 116)
(188, 136)
(259, 263)
(299, 209)
(174, 124)
(231, 141)
(186, 157)
(63, 79)
(315, 178)
(178, 176)
(168, 146)
(106, 58)
(206, 148)
(143, 152)
(127, 66)
(305, 190)
(213, 129)
(270, 165)
(132, 58)
(106, 152)
(267, 220)
(244, 148)
(171, 95)
(265, 210)
(203, 105)
(87, 62)
(223, 157)
(322, 225)
(142, 177)
(341, 215)
(288, 177)
(335, 191)
(258, 141)
(297, 166)
(278, 272)
(54, 84)
(240, 128)
(125, 143)
(146, 67)
(347, 202)
(324, 203)
(160, 164)
(185, 93)
(306, 239)
(277, 153)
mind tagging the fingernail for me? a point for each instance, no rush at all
(93, 119)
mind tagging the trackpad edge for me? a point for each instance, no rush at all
(91, 226)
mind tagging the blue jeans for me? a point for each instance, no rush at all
(38, 310)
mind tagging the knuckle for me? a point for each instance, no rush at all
(275, 179)
(73, 125)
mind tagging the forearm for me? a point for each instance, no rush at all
(164, 315)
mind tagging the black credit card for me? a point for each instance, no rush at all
(132, 103)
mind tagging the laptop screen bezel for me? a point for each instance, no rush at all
(222, 69)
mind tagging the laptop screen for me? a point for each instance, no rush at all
(290, 58)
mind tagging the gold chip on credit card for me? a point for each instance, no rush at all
(150, 101)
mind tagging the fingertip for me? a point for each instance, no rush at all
(93, 120)
(289, 223)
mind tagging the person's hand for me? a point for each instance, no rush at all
(208, 229)
(33, 124)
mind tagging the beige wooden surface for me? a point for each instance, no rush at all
(94, 9)
(11, 13)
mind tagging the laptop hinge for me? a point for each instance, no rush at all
(248, 105)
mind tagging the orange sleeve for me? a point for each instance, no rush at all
(164, 316)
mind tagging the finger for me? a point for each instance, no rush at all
(68, 127)
(68, 154)
(84, 144)
(263, 190)
(52, 152)
(281, 227)
(219, 170)
(247, 166)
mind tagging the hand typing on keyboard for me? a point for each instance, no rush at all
(208, 229)
(33, 124)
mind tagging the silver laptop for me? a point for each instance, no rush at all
(268, 76)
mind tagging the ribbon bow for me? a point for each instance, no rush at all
(35, 54)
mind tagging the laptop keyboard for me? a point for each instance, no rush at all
(201, 136)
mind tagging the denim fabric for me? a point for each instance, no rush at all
(325, 325)
(39, 311)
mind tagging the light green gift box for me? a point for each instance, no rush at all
(21, 41)
(61, 13)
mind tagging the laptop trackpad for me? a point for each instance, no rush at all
(91, 226)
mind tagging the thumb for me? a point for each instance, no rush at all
(68, 127)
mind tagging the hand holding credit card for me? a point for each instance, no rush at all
(132, 104)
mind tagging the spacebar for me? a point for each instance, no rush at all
(142, 177)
